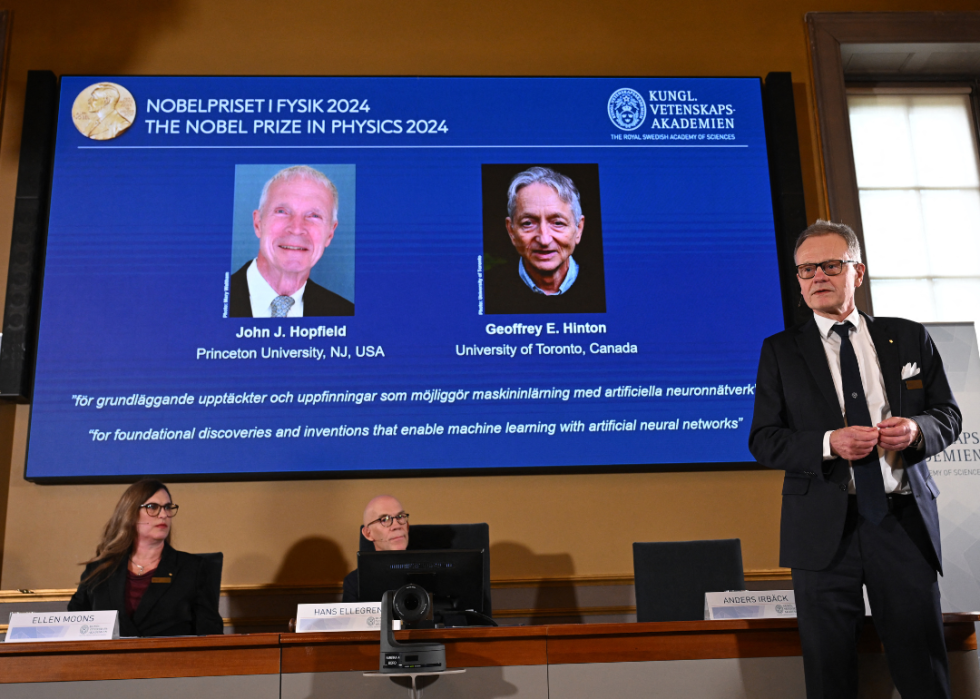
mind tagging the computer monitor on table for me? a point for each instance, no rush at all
(454, 578)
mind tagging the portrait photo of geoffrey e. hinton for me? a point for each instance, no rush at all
(542, 239)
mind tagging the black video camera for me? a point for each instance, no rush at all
(413, 606)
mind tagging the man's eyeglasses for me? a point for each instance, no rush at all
(153, 509)
(386, 520)
(830, 267)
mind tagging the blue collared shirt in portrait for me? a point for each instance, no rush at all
(565, 285)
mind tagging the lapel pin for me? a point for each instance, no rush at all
(891, 341)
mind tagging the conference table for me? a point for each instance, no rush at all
(730, 658)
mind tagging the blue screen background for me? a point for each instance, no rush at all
(140, 241)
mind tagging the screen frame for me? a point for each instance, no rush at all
(785, 127)
(467, 568)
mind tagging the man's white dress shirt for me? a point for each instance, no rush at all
(874, 391)
(261, 295)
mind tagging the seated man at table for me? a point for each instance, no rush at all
(386, 525)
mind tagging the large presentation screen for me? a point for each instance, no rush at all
(263, 275)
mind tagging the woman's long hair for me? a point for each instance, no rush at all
(120, 531)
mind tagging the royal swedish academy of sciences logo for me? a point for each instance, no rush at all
(627, 109)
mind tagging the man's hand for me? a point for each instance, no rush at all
(855, 442)
(896, 433)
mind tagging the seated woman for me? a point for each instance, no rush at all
(158, 591)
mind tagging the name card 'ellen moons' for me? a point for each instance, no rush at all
(742, 604)
(340, 616)
(32, 627)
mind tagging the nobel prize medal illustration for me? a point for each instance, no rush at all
(103, 111)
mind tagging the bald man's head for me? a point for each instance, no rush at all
(393, 537)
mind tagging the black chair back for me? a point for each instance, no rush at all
(422, 537)
(671, 577)
(213, 563)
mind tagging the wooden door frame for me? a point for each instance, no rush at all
(826, 32)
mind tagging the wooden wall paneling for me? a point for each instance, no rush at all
(330, 652)
(271, 653)
(698, 640)
(681, 640)
(476, 647)
(491, 652)
(6, 26)
(124, 659)
(960, 631)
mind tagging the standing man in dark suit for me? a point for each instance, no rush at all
(851, 407)
(295, 222)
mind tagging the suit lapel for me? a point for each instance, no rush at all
(888, 360)
(111, 594)
(240, 305)
(116, 587)
(166, 569)
(811, 347)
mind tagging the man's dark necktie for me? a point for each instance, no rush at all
(870, 486)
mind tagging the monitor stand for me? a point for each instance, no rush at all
(416, 691)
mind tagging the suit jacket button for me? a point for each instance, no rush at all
(843, 486)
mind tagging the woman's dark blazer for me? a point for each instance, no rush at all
(184, 606)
